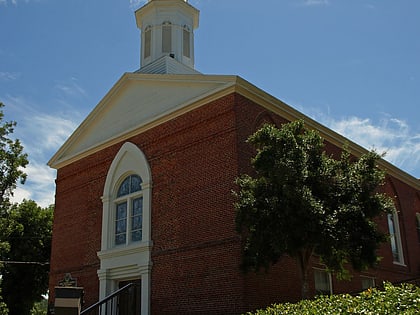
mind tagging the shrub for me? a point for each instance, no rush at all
(403, 299)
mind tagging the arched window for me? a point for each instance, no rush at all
(126, 200)
(395, 238)
(418, 224)
(186, 40)
(129, 211)
(167, 37)
(147, 42)
(126, 243)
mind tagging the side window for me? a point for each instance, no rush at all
(147, 42)
(186, 40)
(166, 37)
(395, 238)
(129, 211)
(323, 283)
(418, 225)
(367, 282)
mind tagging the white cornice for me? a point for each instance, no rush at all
(225, 86)
(273, 104)
(221, 83)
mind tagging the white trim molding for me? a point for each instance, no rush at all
(132, 261)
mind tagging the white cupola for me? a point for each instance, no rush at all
(167, 36)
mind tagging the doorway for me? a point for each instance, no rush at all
(129, 301)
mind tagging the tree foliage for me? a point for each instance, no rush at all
(300, 201)
(3, 307)
(25, 274)
(40, 308)
(12, 161)
(25, 232)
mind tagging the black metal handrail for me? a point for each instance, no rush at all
(98, 305)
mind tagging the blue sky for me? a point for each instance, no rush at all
(353, 65)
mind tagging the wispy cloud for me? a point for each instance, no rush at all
(70, 88)
(41, 136)
(47, 132)
(6, 2)
(42, 133)
(388, 135)
(40, 185)
(8, 76)
(370, 6)
(16, 2)
(316, 2)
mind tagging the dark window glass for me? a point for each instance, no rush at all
(147, 42)
(186, 43)
(166, 38)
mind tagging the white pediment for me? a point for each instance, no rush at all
(135, 101)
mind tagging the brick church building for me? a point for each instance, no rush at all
(144, 187)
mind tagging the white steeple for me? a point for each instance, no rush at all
(167, 36)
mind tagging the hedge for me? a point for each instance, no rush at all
(402, 299)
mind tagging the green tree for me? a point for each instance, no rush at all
(302, 202)
(40, 308)
(3, 307)
(25, 274)
(12, 162)
(25, 231)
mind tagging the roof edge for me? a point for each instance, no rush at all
(231, 84)
(227, 83)
(277, 106)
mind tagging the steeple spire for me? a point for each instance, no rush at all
(167, 31)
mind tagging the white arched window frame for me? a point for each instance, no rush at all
(129, 160)
(131, 259)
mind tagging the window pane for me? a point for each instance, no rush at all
(418, 224)
(137, 206)
(322, 282)
(135, 183)
(136, 236)
(137, 219)
(393, 239)
(136, 223)
(131, 184)
(120, 226)
(120, 239)
(121, 211)
(124, 188)
(129, 213)
(368, 283)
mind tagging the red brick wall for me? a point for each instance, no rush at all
(196, 252)
(78, 221)
(193, 160)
